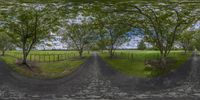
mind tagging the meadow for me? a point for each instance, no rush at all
(57, 64)
(46, 64)
(46, 56)
(132, 62)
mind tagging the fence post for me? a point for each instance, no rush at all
(30, 57)
(49, 58)
(132, 56)
(44, 56)
(39, 57)
(54, 58)
(34, 57)
(128, 55)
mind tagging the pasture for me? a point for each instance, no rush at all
(46, 64)
(47, 56)
(133, 62)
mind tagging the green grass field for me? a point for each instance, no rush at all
(46, 70)
(47, 56)
(132, 62)
(128, 62)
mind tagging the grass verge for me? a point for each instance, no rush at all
(133, 63)
(46, 70)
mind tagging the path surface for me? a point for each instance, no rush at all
(95, 80)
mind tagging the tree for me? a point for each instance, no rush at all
(162, 24)
(196, 39)
(113, 31)
(116, 35)
(79, 35)
(27, 25)
(5, 42)
(100, 31)
(141, 45)
(186, 40)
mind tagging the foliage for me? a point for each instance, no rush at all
(28, 24)
(79, 36)
(186, 40)
(112, 33)
(141, 45)
(196, 40)
(163, 25)
(5, 42)
(106, 24)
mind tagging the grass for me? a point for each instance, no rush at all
(46, 70)
(131, 63)
(47, 56)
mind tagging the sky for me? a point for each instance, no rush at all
(57, 43)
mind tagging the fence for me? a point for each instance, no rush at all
(131, 56)
(45, 57)
(141, 56)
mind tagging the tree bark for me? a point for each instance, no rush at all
(24, 58)
(185, 51)
(101, 50)
(3, 53)
(163, 60)
(24, 61)
(81, 53)
(111, 53)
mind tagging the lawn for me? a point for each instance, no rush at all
(132, 62)
(46, 70)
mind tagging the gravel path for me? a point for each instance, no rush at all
(95, 80)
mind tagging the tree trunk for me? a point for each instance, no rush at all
(185, 50)
(24, 59)
(101, 50)
(163, 60)
(81, 53)
(111, 53)
(3, 53)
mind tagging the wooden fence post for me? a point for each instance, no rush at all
(54, 58)
(44, 56)
(39, 57)
(132, 56)
(65, 56)
(49, 58)
(33, 57)
(30, 57)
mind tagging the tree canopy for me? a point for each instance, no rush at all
(26, 25)
(106, 23)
